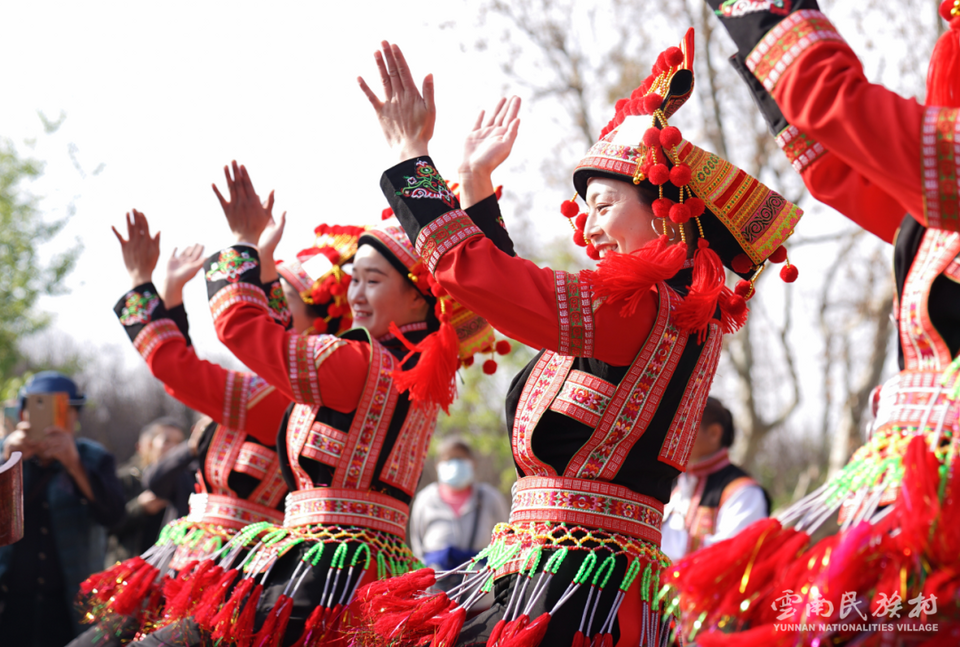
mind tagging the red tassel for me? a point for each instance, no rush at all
(223, 621)
(106, 582)
(267, 634)
(311, 629)
(919, 502)
(733, 311)
(629, 276)
(213, 598)
(432, 379)
(242, 631)
(498, 632)
(191, 591)
(128, 600)
(579, 640)
(449, 629)
(700, 304)
(531, 634)
(943, 73)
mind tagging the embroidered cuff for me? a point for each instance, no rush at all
(783, 44)
(443, 234)
(138, 307)
(417, 194)
(574, 315)
(233, 276)
(941, 181)
(277, 304)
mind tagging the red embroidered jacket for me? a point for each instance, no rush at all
(610, 398)
(885, 162)
(238, 456)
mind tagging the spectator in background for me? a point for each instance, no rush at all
(451, 520)
(714, 499)
(173, 476)
(71, 495)
(145, 510)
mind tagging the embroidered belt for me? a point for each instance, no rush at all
(347, 507)
(915, 398)
(229, 512)
(589, 503)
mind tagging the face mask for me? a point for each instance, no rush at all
(456, 473)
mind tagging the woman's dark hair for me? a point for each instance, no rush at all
(715, 412)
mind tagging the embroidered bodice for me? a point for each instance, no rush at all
(630, 425)
(927, 268)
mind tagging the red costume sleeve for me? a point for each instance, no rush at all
(540, 307)
(886, 140)
(319, 369)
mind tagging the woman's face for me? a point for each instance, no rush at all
(618, 219)
(379, 294)
(298, 309)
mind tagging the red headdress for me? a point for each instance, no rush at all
(741, 222)
(943, 74)
(320, 274)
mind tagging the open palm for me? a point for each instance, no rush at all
(489, 143)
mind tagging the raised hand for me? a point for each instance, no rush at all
(140, 251)
(489, 143)
(406, 116)
(246, 215)
(180, 269)
(269, 240)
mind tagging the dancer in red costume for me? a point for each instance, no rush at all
(890, 165)
(603, 418)
(351, 448)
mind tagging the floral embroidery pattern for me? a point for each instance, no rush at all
(230, 266)
(405, 462)
(801, 150)
(443, 234)
(584, 397)
(739, 8)
(277, 304)
(784, 43)
(923, 346)
(348, 507)
(941, 180)
(587, 503)
(138, 308)
(154, 334)
(427, 184)
(542, 386)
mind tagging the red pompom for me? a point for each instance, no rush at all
(651, 137)
(789, 273)
(580, 221)
(741, 264)
(336, 289)
(468, 362)
(945, 7)
(592, 252)
(670, 137)
(659, 174)
(744, 289)
(320, 325)
(503, 347)
(661, 207)
(489, 367)
(437, 290)
(647, 82)
(680, 213)
(673, 56)
(651, 102)
(633, 107)
(661, 63)
(578, 238)
(569, 209)
(779, 255)
(680, 175)
(335, 311)
(618, 106)
(645, 168)
(386, 214)
(696, 206)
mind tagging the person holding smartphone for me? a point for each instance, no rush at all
(71, 496)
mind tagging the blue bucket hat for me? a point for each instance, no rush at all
(52, 382)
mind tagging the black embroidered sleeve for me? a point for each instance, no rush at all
(178, 314)
(748, 21)
(233, 276)
(486, 215)
(145, 319)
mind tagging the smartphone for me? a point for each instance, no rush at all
(45, 410)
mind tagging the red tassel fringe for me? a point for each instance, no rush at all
(627, 277)
(432, 379)
(943, 74)
(700, 304)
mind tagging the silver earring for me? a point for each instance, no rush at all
(663, 228)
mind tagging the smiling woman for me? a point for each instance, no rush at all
(351, 446)
(604, 418)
